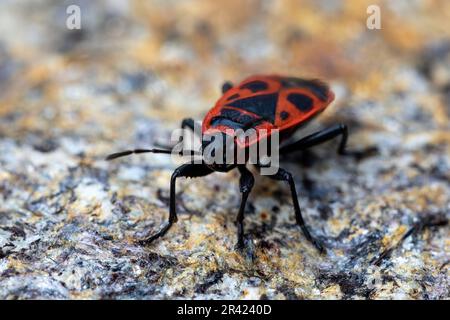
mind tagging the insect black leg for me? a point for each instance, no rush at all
(246, 183)
(318, 138)
(191, 124)
(226, 86)
(284, 175)
(325, 135)
(186, 170)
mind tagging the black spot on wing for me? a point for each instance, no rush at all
(235, 119)
(236, 116)
(284, 115)
(301, 101)
(317, 87)
(261, 105)
(255, 86)
(234, 96)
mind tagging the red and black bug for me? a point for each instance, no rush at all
(259, 102)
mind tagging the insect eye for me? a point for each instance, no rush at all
(226, 86)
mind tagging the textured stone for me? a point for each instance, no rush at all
(68, 219)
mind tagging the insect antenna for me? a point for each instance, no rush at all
(137, 151)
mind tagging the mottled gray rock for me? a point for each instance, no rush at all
(68, 219)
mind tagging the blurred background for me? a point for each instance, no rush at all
(165, 60)
(128, 76)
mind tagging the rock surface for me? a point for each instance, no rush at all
(68, 219)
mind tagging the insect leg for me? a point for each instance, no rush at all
(283, 175)
(325, 135)
(191, 124)
(186, 170)
(318, 138)
(246, 183)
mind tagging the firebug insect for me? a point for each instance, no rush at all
(259, 102)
